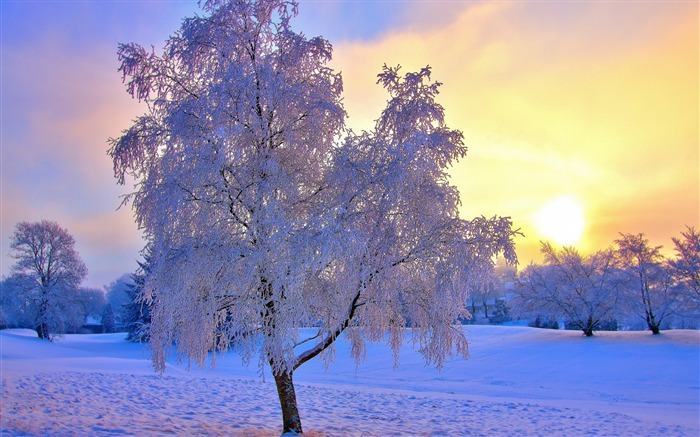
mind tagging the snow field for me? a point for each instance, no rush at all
(518, 381)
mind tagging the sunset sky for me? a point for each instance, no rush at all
(574, 112)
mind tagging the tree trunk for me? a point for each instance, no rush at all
(288, 402)
(654, 326)
(42, 330)
(42, 327)
(588, 329)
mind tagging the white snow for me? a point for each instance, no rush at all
(517, 381)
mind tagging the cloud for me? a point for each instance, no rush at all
(597, 100)
(352, 20)
(69, 105)
(62, 98)
(593, 99)
(111, 241)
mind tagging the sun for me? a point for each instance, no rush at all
(561, 220)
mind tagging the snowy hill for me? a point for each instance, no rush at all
(517, 381)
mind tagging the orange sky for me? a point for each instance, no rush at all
(595, 101)
(591, 100)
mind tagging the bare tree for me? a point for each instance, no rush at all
(52, 270)
(584, 290)
(260, 221)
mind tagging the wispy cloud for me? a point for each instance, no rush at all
(59, 110)
(594, 99)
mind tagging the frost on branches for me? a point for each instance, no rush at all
(686, 265)
(46, 275)
(585, 289)
(650, 289)
(260, 221)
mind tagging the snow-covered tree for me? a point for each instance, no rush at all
(50, 271)
(260, 221)
(17, 310)
(19, 305)
(686, 266)
(585, 290)
(89, 303)
(118, 295)
(137, 313)
(501, 312)
(650, 291)
(107, 319)
(481, 294)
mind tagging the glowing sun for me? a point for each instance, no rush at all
(561, 220)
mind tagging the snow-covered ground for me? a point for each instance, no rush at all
(517, 381)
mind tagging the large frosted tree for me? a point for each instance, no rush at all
(261, 220)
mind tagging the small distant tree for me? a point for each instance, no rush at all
(262, 221)
(649, 290)
(89, 304)
(118, 295)
(50, 271)
(501, 312)
(584, 290)
(107, 319)
(545, 322)
(480, 294)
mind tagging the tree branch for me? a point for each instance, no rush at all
(331, 336)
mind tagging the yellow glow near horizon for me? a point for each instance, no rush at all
(583, 106)
(561, 220)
